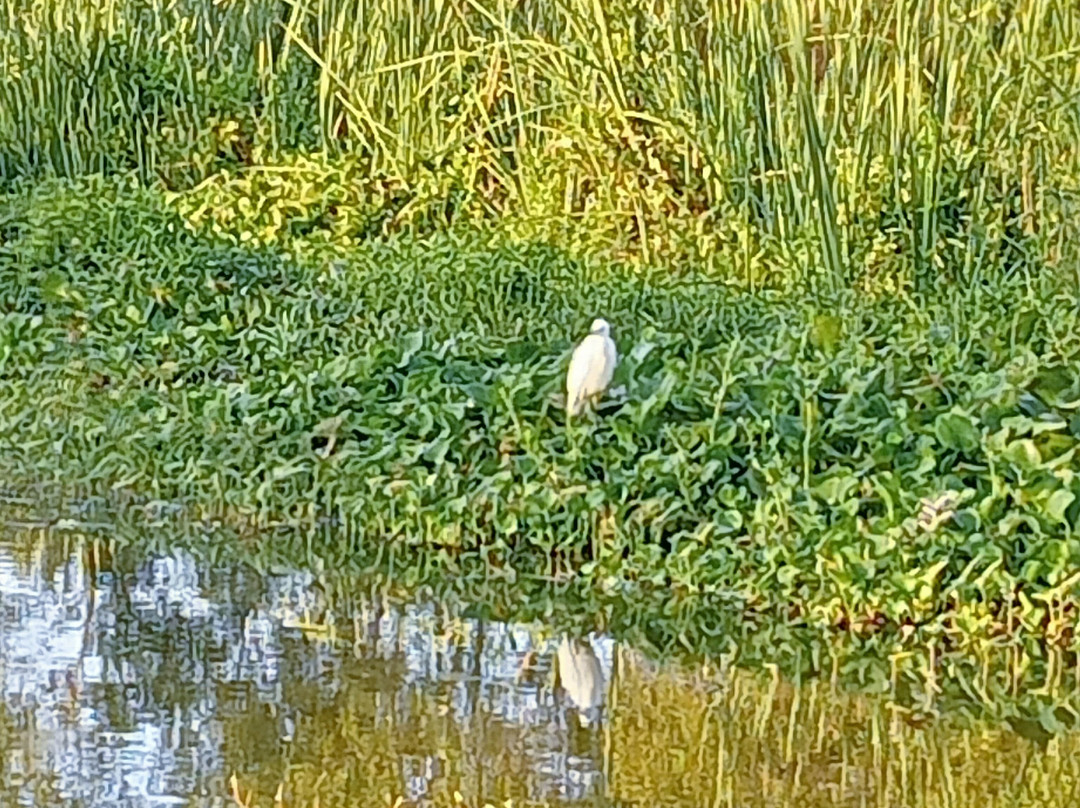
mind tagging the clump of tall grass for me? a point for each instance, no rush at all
(863, 142)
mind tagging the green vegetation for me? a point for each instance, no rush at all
(877, 144)
(321, 265)
(295, 283)
(771, 451)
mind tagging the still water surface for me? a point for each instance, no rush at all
(173, 684)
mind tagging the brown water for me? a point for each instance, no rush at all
(176, 685)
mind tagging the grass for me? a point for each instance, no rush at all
(880, 145)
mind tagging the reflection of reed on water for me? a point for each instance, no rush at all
(155, 685)
(180, 674)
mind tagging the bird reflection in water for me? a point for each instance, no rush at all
(581, 678)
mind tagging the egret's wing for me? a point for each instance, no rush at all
(612, 355)
(588, 368)
(611, 358)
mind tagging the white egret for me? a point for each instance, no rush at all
(581, 677)
(591, 367)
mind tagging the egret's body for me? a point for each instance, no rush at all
(581, 677)
(591, 368)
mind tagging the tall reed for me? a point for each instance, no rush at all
(868, 141)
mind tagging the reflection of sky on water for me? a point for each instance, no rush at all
(119, 690)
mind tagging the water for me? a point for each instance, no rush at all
(173, 684)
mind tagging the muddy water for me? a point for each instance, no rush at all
(174, 684)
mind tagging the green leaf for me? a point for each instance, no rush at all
(54, 285)
(1025, 425)
(825, 332)
(956, 430)
(412, 343)
(725, 434)
(1023, 453)
(1058, 503)
(728, 522)
(641, 350)
(1048, 720)
(786, 574)
(836, 488)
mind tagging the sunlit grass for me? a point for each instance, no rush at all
(873, 143)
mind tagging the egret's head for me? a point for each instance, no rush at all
(600, 326)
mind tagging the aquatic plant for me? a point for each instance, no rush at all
(778, 451)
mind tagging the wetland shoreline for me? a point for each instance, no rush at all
(784, 448)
